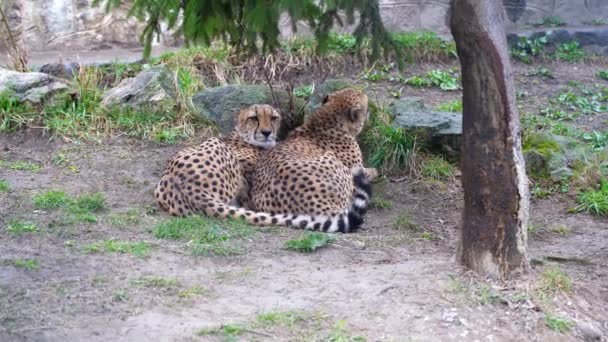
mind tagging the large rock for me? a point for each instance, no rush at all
(552, 156)
(442, 131)
(152, 88)
(220, 105)
(33, 87)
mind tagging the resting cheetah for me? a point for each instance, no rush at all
(219, 170)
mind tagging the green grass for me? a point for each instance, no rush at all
(444, 80)
(229, 331)
(425, 47)
(341, 334)
(594, 202)
(157, 282)
(309, 242)
(139, 249)
(129, 218)
(541, 71)
(280, 318)
(404, 222)
(551, 21)
(527, 49)
(570, 52)
(206, 236)
(437, 168)
(553, 280)
(17, 227)
(52, 199)
(558, 324)
(450, 106)
(27, 264)
(20, 165)
(380, 203)
(303, 91)
(4, 186)
(561, 230)
(603, 74)
(91, 202)
(192, 292)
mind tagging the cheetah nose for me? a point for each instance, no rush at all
(266, 132)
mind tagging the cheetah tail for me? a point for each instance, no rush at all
(347, 222)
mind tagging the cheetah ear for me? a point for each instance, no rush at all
(353, 113)
(325, 99)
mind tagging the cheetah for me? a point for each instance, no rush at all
(219, 170)
(318, 170)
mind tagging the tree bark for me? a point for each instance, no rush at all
(494, 232)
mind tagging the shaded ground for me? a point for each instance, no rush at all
(384, 283)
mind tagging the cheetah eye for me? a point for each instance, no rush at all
(274, 118)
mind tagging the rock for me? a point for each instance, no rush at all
(592, 38)
(220, 105)
(324, 89)
(589, 332)
(552, 156)
(152, 88)
(441, 130)
(33, 87)
(62, 70)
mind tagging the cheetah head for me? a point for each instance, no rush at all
(348, 107)
(258, 125)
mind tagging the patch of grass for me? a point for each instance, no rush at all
(541, 71)
(428, 236)
(91, 202)
(553, 279)
(561, 230)
(169, 135)
(599, 22)
(157, 282)
(444, 80)
(17, 227)
(594, 202)
(486, 295)
(425, 47)
(309, 242)
(129, 218)
(52, 199)
(303, 91)
(404, 222)
(597, 140)
(451, 106)
(4, 186)
(603, 74)
(230, 331)
(437, 168)
(558, 324)
(380, 203)
(139, 249)
(27, 264)
(551, 21)
(526, 49)
(205, 235)
(279, 318)
(340, 333)
(20, 165)
(191, 292)
(570, 51)
(120, 296)
(391, 149)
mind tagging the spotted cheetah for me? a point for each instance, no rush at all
(220, 169)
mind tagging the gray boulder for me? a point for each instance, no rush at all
(442, 131)
(32, 87)
(220, 105)
(552, 156)
(152, 88)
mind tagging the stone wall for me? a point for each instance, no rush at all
(75, 24)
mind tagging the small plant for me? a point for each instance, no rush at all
(20, 165)
(191, 292)
(309, 242)
(570, 52)
(485, 295)
(526, 49)
(28, 264)
(428, 236)
(603, 74)
(52, 199)
(303, 91)
(451, 106)
(561, 230)
(437, 168)
(599, 22)
(424, 47)
(139, 249)
(391, 148)
(157, 282)
(341, 334)
(285, 319)
(558, 324)
(553, 280)
(92, 202)
(404, 223)
(131, 217)
(380, 203)
(594, 202)
(21, 227)
(444, 80)
(597, 140)
(230, 331)
(418, 81)
(4, 186)
(551, 21)
(541, 71)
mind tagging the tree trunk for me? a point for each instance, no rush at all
(494, 232)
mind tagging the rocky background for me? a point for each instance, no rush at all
(76, 25)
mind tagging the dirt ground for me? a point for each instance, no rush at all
(382, 283)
